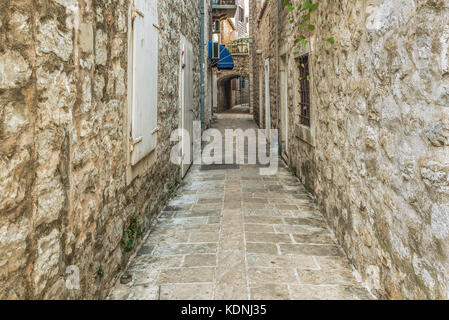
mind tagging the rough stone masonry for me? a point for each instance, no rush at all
(376, 155)
(64, 194)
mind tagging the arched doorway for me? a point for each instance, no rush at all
(232, 90)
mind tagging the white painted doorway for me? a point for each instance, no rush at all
(186, 97)
(284, 103)
(267, 99)
(261, 97)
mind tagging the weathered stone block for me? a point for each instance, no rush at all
(52, 39)
(58, 94)
(438, 134)
(48, 254)
(86, 37)
(13, 179)
(435, 175)
(15, 118)
(51, 199)
(20, 29)
(13, 245)
(14, 70)
(101, 41)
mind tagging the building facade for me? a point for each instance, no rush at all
(241, 18)
(226, 87)
(80, 183)
(228, 31)
(364, 124)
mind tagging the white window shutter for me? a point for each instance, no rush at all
(145, 69)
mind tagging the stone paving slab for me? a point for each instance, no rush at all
(233, 234)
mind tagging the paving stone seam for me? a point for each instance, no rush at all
(292, 238)
(280, 242)
(186, 243)
(278, 249)
(197, 267)
(179, 255)
(316, 262)
(298, 279)
(290, 291)
(244, 246)
(298, 268)
(182, 283)
(220, 234)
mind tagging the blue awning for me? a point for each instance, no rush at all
(226, 61)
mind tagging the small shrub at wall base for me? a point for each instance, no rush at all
(100, 272)
(131, 235)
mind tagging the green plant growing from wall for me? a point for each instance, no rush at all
(172, 190)
(131, 235)
(293, 170)
(300, 14)
(300, 19)
(170, 193)
(100, 272)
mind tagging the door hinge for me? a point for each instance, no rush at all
(133, 142)
(155, 130)
(135, 12)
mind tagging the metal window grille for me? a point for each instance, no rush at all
(304, 77)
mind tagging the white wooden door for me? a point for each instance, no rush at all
(285, 93)
(187, 111)
(261, 97)
(267, 99)
(144, 38)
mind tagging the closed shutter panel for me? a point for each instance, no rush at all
(144, 128)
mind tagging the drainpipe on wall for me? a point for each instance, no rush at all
(211, 21)
(202, 63)
(277, 82)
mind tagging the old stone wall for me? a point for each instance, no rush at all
(376, 155)
(64, 195)
(263, 46)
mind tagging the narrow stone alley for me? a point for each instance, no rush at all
(234, 234)
(107, 193)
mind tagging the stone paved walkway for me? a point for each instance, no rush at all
(234, 234)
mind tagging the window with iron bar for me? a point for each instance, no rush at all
(304, 79)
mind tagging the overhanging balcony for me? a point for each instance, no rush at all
(222, 9)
